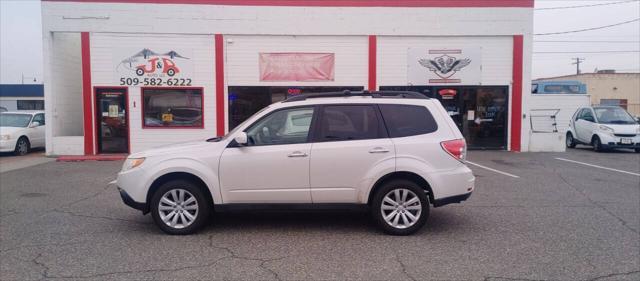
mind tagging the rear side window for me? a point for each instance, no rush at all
(407, 120)
(349, 122)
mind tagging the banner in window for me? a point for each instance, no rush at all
(444, 66)
(291, 67)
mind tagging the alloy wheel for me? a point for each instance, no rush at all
(401, 208)
(23, 147)
(178, 208)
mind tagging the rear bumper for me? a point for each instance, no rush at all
(132, 203)
(450, 200)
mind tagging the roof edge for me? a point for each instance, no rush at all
(333, 3)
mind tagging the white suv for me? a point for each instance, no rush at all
(391, 152)
(603, 127)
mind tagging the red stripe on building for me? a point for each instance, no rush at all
(516, 94)
(220, 122)
(373, 52)
(87, 93)
(333, 3)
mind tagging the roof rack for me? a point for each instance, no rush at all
(347, 93)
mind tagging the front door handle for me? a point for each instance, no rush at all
(298, 154)
(378, 150)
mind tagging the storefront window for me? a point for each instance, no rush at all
(480, 112)
(174, 107)
(30, 105)
(245, 101)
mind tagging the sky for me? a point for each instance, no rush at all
(615, 48)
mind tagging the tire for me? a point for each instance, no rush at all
(22, 147)
(385, 218)
(637, 150)
(180, 223)
(139, 71)
(597, 144)
(571, 142)
(171, 72)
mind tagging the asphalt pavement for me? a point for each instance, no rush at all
(550, 220)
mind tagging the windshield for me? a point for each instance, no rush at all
(14, 120)
(613, 115)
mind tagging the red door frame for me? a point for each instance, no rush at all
(87, 94)
(98, 120)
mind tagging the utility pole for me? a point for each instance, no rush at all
(577, 62)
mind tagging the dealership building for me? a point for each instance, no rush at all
(124, 76)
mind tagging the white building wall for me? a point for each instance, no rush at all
(64, 112)
(242, 68)
(104, 51)
(497, 56)
(253, 29)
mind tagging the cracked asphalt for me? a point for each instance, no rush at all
(558, 221)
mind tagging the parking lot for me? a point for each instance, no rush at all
(533, 216)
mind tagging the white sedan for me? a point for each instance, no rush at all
(21, 131)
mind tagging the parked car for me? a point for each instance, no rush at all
(395, 153)
(604, 127)
(21, 131)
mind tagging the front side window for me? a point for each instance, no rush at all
(613, 115)
(588, 115)
(349, 122)
(407, 120)
(39, 118)
(172, 107)
(287, 126)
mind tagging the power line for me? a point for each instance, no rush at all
(585, 6)
(589, 29)
(586, 41)
(589, 52)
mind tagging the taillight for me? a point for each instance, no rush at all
(456, 148)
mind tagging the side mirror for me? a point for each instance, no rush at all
(34, 124)
(241, 138)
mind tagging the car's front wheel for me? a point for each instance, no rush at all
(571, 142)
(179, 207)
(22, 147)
(400, 207)
(597, 144)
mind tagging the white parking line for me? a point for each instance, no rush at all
(596, 166)
(493, 170)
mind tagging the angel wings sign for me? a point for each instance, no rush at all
(444, 66)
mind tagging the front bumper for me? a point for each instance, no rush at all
(132, 203)
(609, 141)
(7, 145)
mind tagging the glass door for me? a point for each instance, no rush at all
(112, 126)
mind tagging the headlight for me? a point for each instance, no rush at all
(606, 129)
(131, 163)
(5, 137)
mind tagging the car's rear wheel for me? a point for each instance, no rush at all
(637, 150)
(400, 207)
(571, 142)
(179, 207)
(597, 144)
(22, 146)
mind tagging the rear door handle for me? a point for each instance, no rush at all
(378, 150)
(298, 154)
